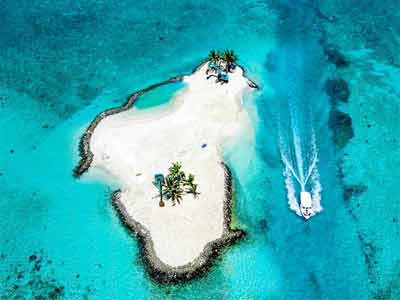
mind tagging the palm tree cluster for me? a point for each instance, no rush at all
(219, 57)
(176, 184)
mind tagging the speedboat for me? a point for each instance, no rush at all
(306, 208)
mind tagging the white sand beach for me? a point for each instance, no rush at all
(134, 145)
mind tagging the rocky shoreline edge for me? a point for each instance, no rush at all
(165, 274)
(159, 271)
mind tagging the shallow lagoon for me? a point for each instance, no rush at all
(62, 64)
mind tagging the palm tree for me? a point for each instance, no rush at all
(169, 186)
(213, 56)
(194, 190)
(176, 172)
(178, 196)
(175, 168)
(230, 58)
(175, 183)
(172, 189)
(189, 182)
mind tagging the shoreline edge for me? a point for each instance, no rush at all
(159, 271)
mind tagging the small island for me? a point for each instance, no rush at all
(175, 190)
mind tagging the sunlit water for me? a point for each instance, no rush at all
(62, 63)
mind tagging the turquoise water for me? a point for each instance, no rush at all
(63, 62)
(159, 96)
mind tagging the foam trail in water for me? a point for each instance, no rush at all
(289, 173)
(316, 189)
(299, 158)
(297, 141)
(311, 177)
(291, 190)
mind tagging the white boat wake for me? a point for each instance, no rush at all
(294, 79)
(303, 174)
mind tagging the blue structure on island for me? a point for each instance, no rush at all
(221, 76)
(158, 182)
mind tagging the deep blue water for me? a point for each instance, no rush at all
(63, 62)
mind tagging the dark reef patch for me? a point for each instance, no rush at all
(335, 57)
(341, 126)
(88, 92)
(28, 279)
(263, 224)
(337, 90)
(34, 278)
(370, 252)
(355, 190)
(392, 289)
